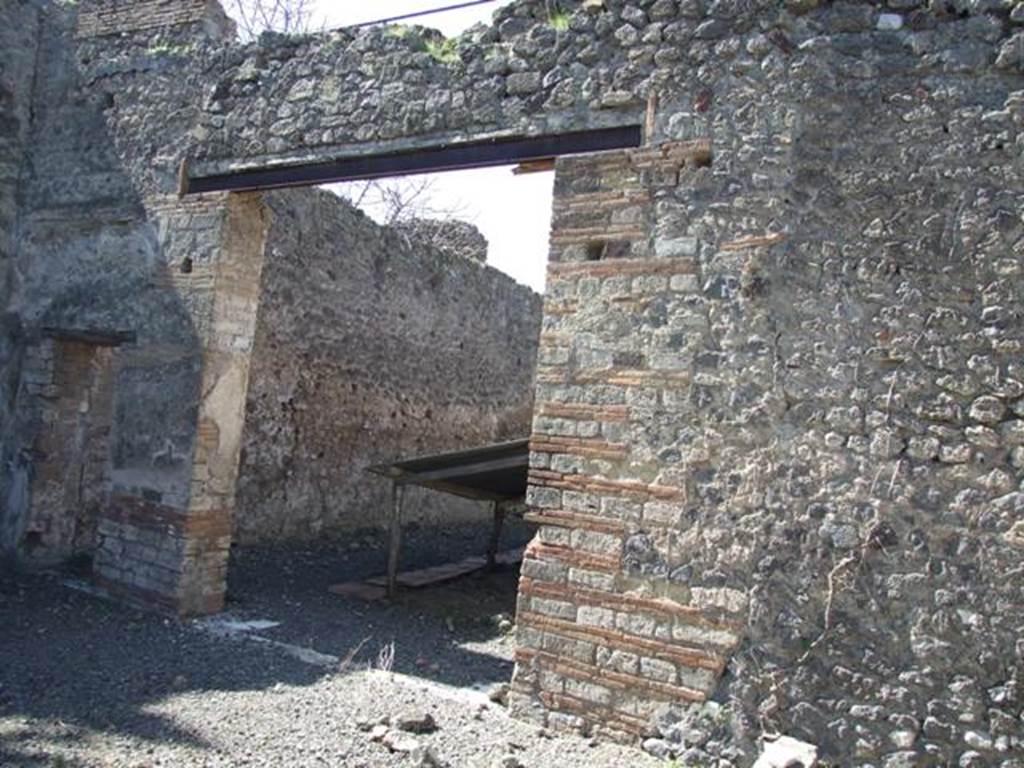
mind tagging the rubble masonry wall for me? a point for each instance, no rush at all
(778, 430)
(372, 345)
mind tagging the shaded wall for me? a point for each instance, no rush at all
(372, 345)
(19, 39)
(100, 248)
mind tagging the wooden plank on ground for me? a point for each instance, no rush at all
(376, 588)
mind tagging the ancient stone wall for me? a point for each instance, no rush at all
(372, 345)
(780, 503)
(604, 638)
(105, 249)
(778, 454)
(116, 18)
(778, 392)
(352, 92)
(72, 380)
(19, 36)
(458, 238)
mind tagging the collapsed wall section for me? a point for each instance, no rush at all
(372, 344)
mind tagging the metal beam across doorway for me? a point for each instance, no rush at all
(479, 154)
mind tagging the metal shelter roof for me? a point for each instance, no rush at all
(495, 472)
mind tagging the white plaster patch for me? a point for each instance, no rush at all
(305, 655)
(229, 626)
(890, 22)
(787, 752)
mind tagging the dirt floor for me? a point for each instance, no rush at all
(289, 675)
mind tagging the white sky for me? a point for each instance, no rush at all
(340, 13)
(513, 212)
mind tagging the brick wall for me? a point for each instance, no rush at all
(601, 647)
(72, 383)
(98, 18)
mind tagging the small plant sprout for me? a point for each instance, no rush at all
(443, 51)
(558, 19)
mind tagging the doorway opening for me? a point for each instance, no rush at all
(381, 339)
(386, 331)
(69, 482)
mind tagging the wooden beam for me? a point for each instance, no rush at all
(96, 337)
(465, 492)
(651, 117)
(535, 166)
(183, 178)
(395, 543)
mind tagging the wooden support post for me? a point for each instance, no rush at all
(395, 545)
(651, 118)
(492, 549)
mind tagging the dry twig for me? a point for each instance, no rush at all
(349, 657)
(386, 657)
(254, 17)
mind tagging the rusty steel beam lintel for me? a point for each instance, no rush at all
(98, 338)
(483, 154)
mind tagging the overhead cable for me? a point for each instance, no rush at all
(418, 14)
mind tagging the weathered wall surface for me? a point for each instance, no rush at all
(777, 417)
(102, 248)
(19, 35)
(458, 238)
(372, 345)
(364, 91)
(18, 49)
(778, 437)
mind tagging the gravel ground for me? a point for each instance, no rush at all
(87, 682)
(450, 633)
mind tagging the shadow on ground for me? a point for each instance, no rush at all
(457, 633)
(72, 665)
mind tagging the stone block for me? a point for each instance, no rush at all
(658, 670)
(555, 608)
(592, 579)
(543, 570)
(544, 498)
(594, 616)
(588, 691)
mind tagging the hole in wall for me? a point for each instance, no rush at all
(186, 265)
(618, 249)
(595, 251)
(81, 565)
(512, 211)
